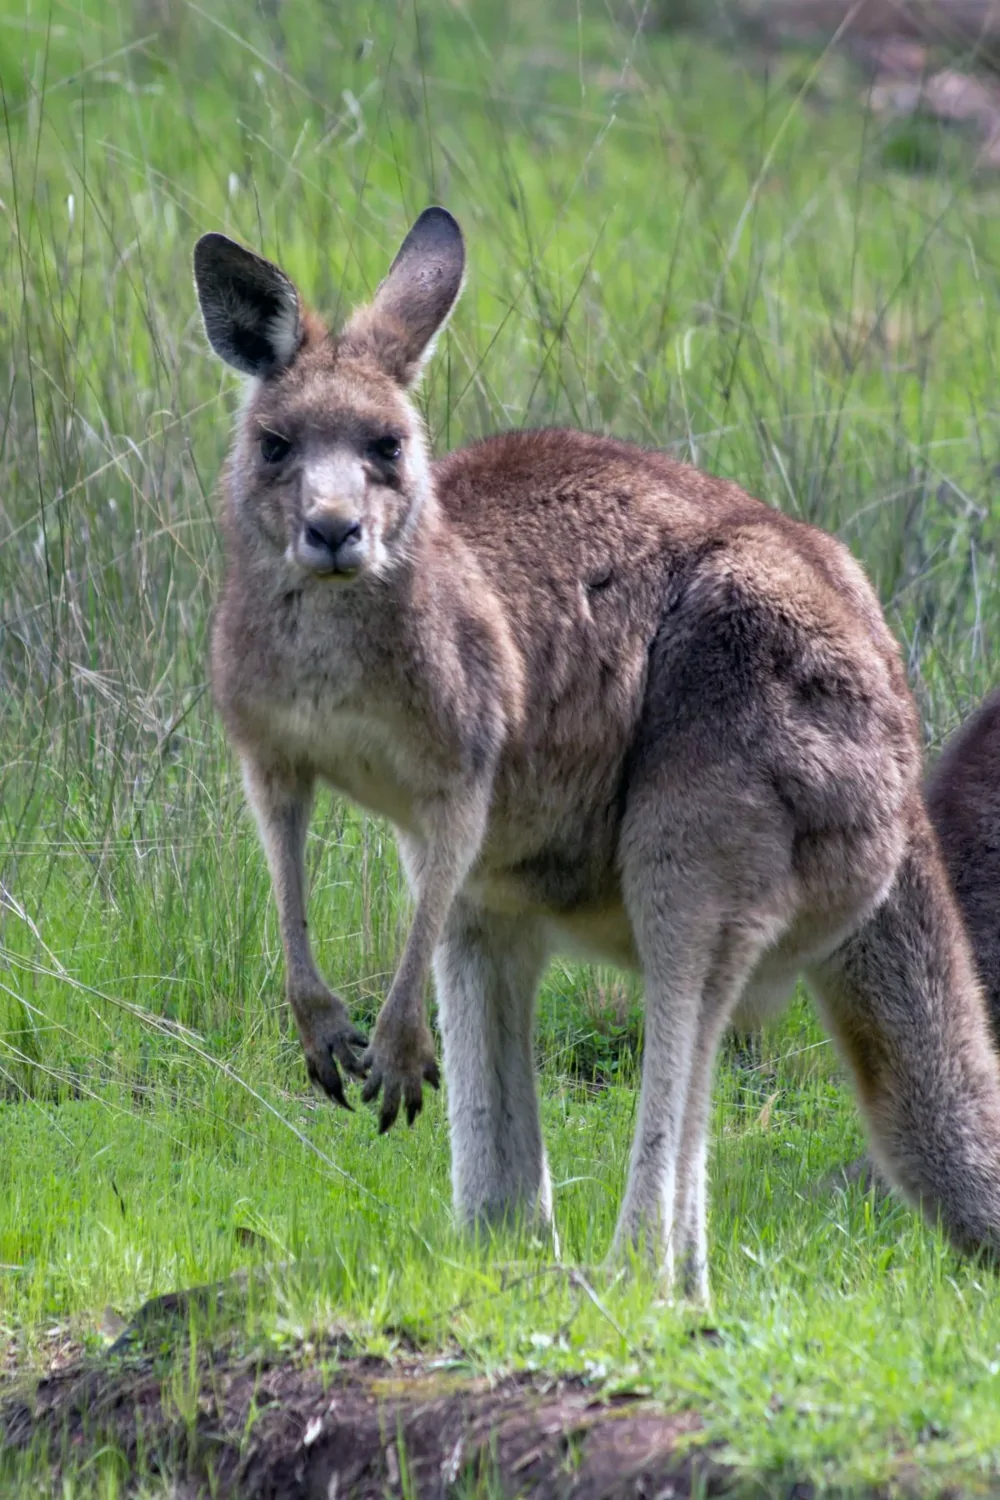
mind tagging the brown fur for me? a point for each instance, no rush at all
(613, 706)
(963, 799)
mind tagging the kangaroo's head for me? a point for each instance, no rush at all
(329, 466)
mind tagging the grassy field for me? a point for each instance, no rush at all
(711, 252)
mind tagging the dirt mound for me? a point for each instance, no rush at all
(267, 1426)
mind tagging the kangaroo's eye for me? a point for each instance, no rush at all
(387, 449)
(274, 448)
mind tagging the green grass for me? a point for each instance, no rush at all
(711, 252)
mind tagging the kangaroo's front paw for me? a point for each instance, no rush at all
(400, 1058)
(329, 1037)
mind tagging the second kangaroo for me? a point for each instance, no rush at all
(612, 707)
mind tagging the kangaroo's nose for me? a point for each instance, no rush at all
(327, 534)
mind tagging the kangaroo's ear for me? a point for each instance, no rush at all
(250, 308)
(415, 300)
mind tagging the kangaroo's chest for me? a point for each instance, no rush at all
(326, 703)
(360, 754)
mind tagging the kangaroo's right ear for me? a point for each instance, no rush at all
(250, 308)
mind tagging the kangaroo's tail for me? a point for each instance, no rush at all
(902, 999)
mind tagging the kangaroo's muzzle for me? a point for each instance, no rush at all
(331, 544)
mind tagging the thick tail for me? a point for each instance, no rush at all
(902, 999)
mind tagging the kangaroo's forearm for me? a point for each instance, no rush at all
(282, 803)
(401, 1055)
(455, 832)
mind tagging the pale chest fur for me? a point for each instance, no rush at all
(319, 692)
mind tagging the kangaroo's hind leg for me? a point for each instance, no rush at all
(487, 970)
(708, 888)
(766, 994)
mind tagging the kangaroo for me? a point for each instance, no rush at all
(612, 707)
(963, 799)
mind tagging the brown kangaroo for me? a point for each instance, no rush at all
(613, 707)
(963, 799)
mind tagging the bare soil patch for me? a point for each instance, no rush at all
(331, 1423)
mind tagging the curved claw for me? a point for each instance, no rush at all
(399, 1085)
(329, 1080)
(414, 1104)
(390, 1105)
(329, 1045)
(396, 1091)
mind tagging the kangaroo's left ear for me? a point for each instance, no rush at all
(415, 300)
(249, 306)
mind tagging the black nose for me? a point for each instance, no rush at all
(329, 533)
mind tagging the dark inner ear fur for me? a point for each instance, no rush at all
(413, 302)
(249, 306)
